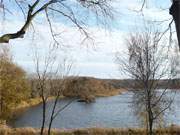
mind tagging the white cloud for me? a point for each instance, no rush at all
(92, 60)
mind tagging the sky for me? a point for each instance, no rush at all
(94, 58)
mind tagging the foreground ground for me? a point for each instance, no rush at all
(90, 131)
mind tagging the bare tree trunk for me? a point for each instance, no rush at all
(150, 127)
(52, 116)
(44, 117)
(150, 118)
(175, 12)
(1, 103)
(49, 128)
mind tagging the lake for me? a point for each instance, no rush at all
(115, 111)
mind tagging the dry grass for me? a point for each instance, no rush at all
(28, 103)
(89, 131)
(31, 102)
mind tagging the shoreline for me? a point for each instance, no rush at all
(30, 103)
(36, 101)
(23, 106)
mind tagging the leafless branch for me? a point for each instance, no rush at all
(100, 7)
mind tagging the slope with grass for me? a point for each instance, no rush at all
(88, 88)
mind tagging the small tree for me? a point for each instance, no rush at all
(147, 66)
(57, 86)
(51, 78)
(13, 84)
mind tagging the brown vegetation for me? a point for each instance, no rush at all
(90, 131)
(14, 87)
(89, 88)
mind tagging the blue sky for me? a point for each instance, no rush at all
(90, 60)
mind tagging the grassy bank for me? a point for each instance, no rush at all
(89, 131)
(26, 104)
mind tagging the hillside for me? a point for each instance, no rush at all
(89, 88)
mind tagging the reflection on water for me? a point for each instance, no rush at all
(116, 111)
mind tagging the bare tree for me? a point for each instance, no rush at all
(43, 75)
(148, 64)
(57, 85)
(50, 80)
(62, 8)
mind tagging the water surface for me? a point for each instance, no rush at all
(115, 111)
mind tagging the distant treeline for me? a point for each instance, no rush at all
(128, 83)
(83, 86)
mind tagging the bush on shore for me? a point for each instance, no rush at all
(88, 88)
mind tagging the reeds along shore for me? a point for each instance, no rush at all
(90, 131)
